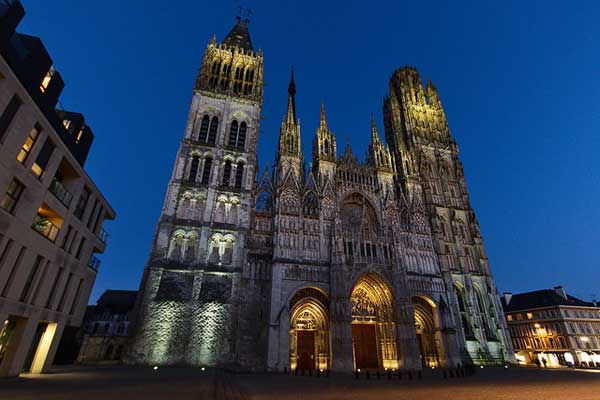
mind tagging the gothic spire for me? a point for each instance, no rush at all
(323, 121)
(291, 109)
(374, 134)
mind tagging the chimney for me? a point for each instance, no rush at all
(560, 291)
(507, 296)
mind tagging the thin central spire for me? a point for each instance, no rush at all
(291, 111)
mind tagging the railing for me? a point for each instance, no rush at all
(44, 227)
(94, 263)
(103, 236)
(59, 191)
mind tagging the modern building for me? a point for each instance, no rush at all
(105, 327)
(51, 212)
(551, 325)
(346, 265)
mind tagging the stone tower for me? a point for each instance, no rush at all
(190, 301)
(426, 157)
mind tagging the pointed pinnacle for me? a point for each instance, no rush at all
(323, 120)
(374, 134)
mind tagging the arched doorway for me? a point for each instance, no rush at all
(309, 330)
(373, 327)
(426, 326)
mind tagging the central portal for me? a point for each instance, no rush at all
(373, 327)
(365, 346)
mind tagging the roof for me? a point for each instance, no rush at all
(239, 35)
(542, 298)
(117, 301)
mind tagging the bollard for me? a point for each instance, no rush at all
(327, 373)
(310, 372)
(285, 370)
(296, 371)
(444, 374)
(318, 373)
(420, 374)
(378, 375)
(368, 375)
(389, 375)
(356, 375)
(399, 375)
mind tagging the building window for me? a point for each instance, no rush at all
(509, 317)
(47, 222)
(80, 248)
(30, 278)
(29, 142)
(206, 171)
(204, 128)
(233, 130)
(52, 293)
(529, 315)
(41, 162)
(227, 173)
(212, 132)
(82, 203)
(63, 297)
(239, 175)
(66, 123)
(9, 114)
(46, 81)
(194, 169)
(12, 196)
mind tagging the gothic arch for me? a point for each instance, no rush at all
(373, 324)
(427, 326)
(309, 329)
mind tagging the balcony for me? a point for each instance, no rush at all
(94, 263)
(45, 227)
(59, 191)
(103, 236)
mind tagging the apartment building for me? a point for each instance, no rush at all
(549, 328)
(51, 212)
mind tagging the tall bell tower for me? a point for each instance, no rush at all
(189, 301)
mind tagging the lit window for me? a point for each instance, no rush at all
(66, 123)
(509, 317)
(529, 315)
(79, 135)
(12, 195)
(28, 145)
(47, 79)
(47, 222)
(42, 159)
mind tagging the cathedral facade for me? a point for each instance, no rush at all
(344, 265)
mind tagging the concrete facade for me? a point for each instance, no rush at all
(48, 235)
(346, 265)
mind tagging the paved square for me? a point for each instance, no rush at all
(133, 383)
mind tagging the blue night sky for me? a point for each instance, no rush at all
(518, 80)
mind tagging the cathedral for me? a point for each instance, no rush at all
(341, 266)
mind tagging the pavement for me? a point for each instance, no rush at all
(132, 383)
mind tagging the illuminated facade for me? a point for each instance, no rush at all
(342, 266)
(553, 326)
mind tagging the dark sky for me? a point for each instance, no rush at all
(519, 81)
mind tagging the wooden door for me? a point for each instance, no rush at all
(365, 346)
(305, 349)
